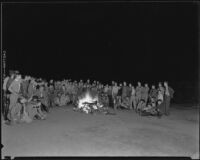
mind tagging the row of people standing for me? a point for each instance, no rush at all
(59, 93)
(134, 95)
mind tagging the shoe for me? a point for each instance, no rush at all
(43, 118)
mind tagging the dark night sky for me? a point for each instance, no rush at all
(150, 42)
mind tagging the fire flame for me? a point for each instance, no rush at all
(87, 98)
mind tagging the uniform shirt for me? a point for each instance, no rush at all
(146, 90)
(142, 90)
(15, 86)
(169, 92)
(129, 91)
(109, 91)
(162, 89)
(7, 82)
(160, 96)
(153, 93)
(38, 93)
(31, 89)
(24, 87)
(120, 91)
(115, 90)
(139, 90)
(133, 92)
(124, 90)
(106, 89)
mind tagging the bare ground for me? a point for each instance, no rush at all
(69, 133)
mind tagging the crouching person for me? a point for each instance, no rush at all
(33, 110)
(141, 105)
(151, 110)
(126, 103)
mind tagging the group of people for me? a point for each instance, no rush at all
(27, 98)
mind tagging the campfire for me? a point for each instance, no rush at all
(88, 102)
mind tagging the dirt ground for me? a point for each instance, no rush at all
(69, 133)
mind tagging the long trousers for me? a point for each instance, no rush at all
(138, 98)
(133, 102)
(13, 107)
(5, 106)
(110, 99)
(167, 105)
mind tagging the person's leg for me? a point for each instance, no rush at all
(146, 98)
(137, 100)
(137, 103)
(134, 102)
(116, 102)
(110, 101)
(31, 112)
(3, 108)
(167, 105)
(119, 101)
(7, 107)
(131, 102)
(40, 113)
(16, 112)
(13, 102)
(138, 107)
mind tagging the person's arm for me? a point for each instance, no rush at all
(10, 88)
(112, 93)
(171, 92)
(5, 83)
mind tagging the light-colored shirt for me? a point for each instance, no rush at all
(133, 92)
(115, 90)
(160, 96)
(162, 89)
(139, 90)
(106, 89)
(15, 86)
